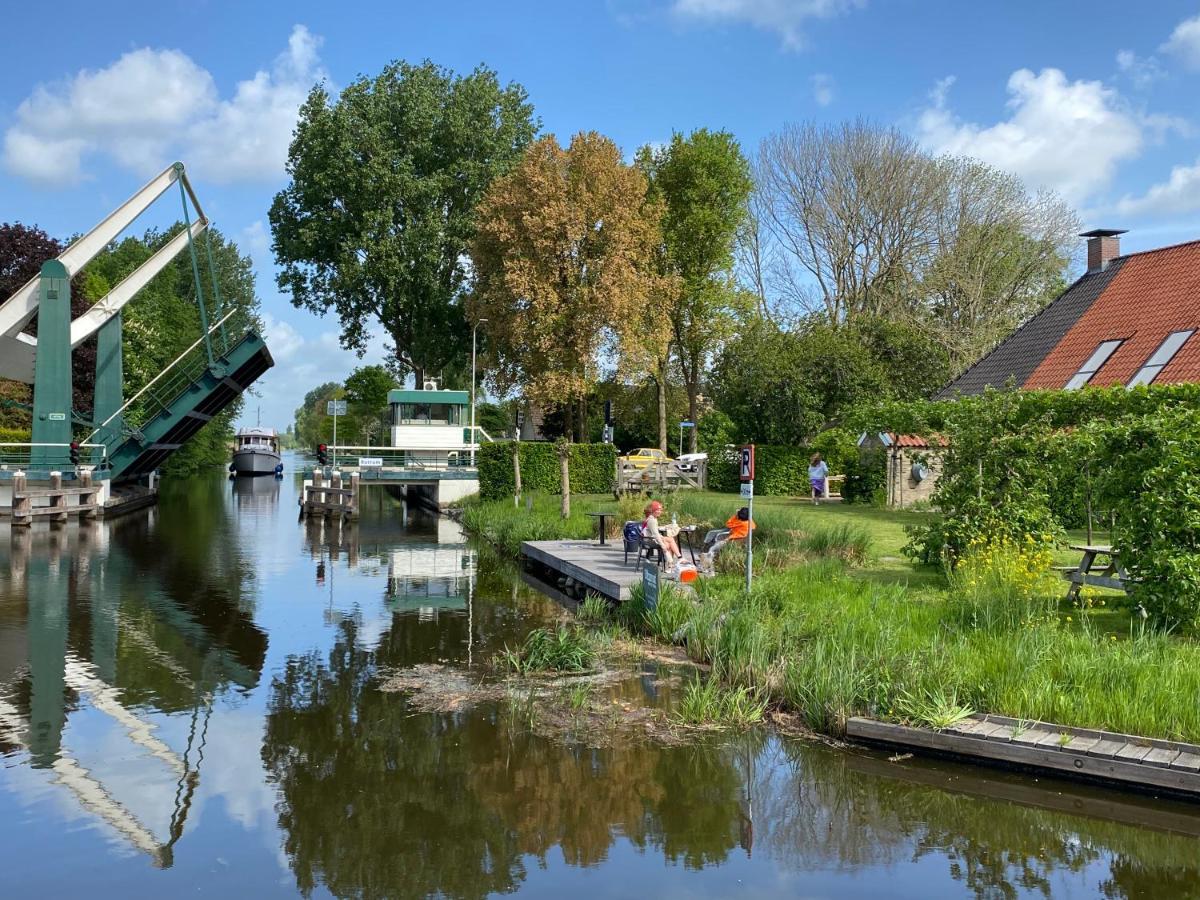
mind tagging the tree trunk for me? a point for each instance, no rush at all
(564, 455)
(568, 410)
(661, 378)
(581, 432)
(517, 473)
(693, 412)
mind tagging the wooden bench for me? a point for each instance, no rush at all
(1107, 575)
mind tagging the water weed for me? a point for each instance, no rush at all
(549, 650)
(707, 702)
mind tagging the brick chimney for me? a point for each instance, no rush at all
(1104, 245)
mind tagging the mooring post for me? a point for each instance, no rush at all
(57, 499)
(353, 498)
(315, 494)
(89, 499)
(337, 498)
(21, 504)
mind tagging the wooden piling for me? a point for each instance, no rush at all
(22, 503)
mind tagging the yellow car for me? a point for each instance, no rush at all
(643, 458)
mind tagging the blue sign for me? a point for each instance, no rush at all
(650, 584)
(687, 424)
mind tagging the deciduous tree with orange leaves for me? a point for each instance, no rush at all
(563, 275)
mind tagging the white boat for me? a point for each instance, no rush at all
(256, 452)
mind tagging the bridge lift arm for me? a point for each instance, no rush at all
(17, 348)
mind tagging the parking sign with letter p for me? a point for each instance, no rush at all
(746, 468)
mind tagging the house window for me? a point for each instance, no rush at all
(1093, 363)
(1159, 358)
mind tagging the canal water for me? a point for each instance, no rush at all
(191, 704)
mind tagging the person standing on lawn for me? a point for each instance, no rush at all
(818, 474)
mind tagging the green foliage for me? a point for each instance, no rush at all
(783, 387)
(375, 223)
(777, 470)
(559, 650)
(538, 518)
(593, 468)
(866, 478)
(708, 702)
(1031, 462)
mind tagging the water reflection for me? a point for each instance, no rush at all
(219, 649)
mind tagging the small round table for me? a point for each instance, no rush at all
(603, 517)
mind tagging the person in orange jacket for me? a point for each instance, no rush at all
(736, 529)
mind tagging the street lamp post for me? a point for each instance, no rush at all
(474, 332)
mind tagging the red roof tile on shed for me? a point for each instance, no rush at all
(915, 440)
(1154, 293)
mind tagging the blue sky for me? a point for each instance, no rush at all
(1094, 99)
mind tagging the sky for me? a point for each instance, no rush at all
(1096, 100)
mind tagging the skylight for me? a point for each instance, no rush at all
(1093, 363)
(1159, 358)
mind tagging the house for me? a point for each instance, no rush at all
(433, 425)
(912, 464)
(1128, 320)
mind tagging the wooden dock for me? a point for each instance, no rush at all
(57, 507)
(1120, 759)
(597, 568)
(330, 497)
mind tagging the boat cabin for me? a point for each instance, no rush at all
(433, 425)
(257, 438)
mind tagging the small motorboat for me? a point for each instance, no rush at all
(256, 452)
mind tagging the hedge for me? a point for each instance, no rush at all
(14, 435)
(593, 468)
(783, 470)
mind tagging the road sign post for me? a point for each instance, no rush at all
(746, 473)
(335, 408)
(682, 425)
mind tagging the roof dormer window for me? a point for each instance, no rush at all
(1159, 358)
(1093, 364)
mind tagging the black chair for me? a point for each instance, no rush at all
(649, 548)
(634, 540)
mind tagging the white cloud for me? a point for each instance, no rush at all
(281, 338)
(1180, 193)
(153, 105)
(785, 17)
(822, 88)
(1142, 71)
(1065, 135)
(1184, 42)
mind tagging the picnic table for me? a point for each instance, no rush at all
(1109, 574)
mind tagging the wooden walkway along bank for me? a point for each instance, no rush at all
(1119, 759)
(58, 507)
(597, 568)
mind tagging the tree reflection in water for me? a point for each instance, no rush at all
(380, 801)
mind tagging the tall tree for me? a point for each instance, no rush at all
(380, 210)
(704, 182)
(561, 258)
(366, 390)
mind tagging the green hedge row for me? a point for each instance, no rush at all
(783, 470)
(14, 435)
(593, 468)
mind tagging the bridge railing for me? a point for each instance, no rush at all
(402, 458)
(163, 389)
(22, 457)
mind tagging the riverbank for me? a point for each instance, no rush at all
(816, 638)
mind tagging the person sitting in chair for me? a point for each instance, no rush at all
(735, 529)
(652, 530)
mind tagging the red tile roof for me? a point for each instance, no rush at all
(915, 440)
(1153, 294)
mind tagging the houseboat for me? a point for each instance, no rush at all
(256, 452)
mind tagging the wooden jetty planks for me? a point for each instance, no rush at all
(1139, 762)
(600, 568)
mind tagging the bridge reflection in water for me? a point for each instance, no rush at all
(109, 641)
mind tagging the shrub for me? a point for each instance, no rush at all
(559, 650)
(777, 470)
(593, 468)
(1005, 584)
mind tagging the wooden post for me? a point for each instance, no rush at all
(335, 482)
(21, 503)
(317, 496)
(92, 507)
(57, 499)
(352, 500)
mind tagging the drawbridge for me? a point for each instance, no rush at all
(122, 440)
